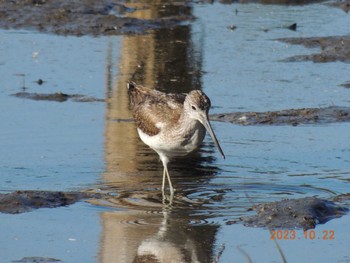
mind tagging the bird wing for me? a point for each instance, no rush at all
(157, 110)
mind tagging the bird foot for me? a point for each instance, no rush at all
(168, 199)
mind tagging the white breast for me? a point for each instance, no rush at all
(175, 144)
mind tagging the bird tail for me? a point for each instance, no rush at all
(136, 93)
(131, 85)
(132, 92)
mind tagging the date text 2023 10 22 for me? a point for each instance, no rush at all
(287, 234)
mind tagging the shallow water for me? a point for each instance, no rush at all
(70, 145)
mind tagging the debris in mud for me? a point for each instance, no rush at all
(303, 213)
(287, 117)
(26, 201)
(40, 82)
(346, 85)
(333, 48)
(37, 260)
(293, 27)
(232, 27)
(84, 17)
(58, 96)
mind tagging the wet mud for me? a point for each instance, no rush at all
(58, 96)
(333, 48)
(78, 17)
(107, 17)
(303, 213)
(344, 5)
(26, 201)
(37, 260)
(293, 117)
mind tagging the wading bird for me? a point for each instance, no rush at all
(173, 125)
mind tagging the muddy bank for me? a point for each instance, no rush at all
(58, 96)
(75, 17)
(333, 48)
(287, 117)
(106, 17)
(303, 213)
(26, 201)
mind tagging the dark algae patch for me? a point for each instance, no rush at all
(78, 17)
(26, 201)
(37, 260)
(333, 48)
(57, 96)
(293, 117)
(303, 213)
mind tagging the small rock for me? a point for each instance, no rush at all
(293, 27)
(232, 27)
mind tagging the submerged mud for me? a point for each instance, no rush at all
(303, 213)
(287, 117)
(26, 201)
(37, 260)
(106, 17)
(58, 96)
(333, 48)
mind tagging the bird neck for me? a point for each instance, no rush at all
(188, 125)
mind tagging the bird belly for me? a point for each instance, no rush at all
(174, 145)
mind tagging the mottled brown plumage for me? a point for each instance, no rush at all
(151, 106)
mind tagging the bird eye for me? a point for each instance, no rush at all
(194, 108)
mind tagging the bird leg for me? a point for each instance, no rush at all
(163, 184)
(165, 162)
(172, 189)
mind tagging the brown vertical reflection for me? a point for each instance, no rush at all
(120, 134)
(144, 229)
(165, 59)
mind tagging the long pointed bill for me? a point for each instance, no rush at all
(206, 124)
